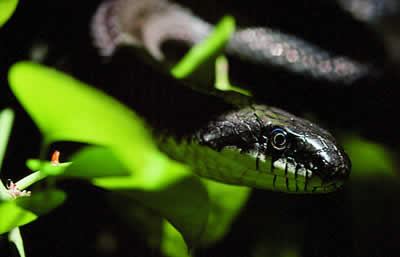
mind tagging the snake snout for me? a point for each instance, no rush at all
(342, 172)
(330, 164)
(335, 168)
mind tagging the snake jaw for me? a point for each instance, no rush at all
(315, 159)
(292, 178)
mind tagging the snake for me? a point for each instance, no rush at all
(244, 142)
(150, 23)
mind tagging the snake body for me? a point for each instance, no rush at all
(150, 23)
(247, 144)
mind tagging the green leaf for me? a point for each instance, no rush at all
(185, 204)
(12, 215)
(50, 169)
(6, 121)
(71, 110)
(150, 179)
(105, 169)
(33, 164)
(7, 8)
(178, 196)
(222, 77)
(94, 162)
(66, 109)
(226, 201)
(47, 167)
(15, 237)
(369, 159)
(204, 50)
(41, 203)
(172, 243)
(137, 218)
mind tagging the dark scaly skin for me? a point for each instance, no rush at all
(150, 23)
(236, 147)
(311, 161)
(234, 144)
(231, 142)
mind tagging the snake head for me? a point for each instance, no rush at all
(267, 148)
(305, 156)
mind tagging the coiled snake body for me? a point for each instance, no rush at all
(246, 144)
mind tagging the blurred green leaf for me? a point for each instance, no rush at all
(12, 215)
(137, 218)
(94, 162)
(71, 110)
(368, 158)
(206, 49)
(172, 243)
(226, 201)
(47, 167)
(105, 169)
(41, 203)
(66, 109)
(33, 164)
(185, 204)
(154, 179)
(53, 170)
(180, 197)
(7, 8)
(15, 237)
(222, 77)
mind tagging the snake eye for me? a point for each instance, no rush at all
(278, 139)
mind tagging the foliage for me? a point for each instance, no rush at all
(7, 8)
(206, 49)
(128, 143)
(122, 157)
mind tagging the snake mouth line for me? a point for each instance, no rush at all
(286, 176)
(291, 185)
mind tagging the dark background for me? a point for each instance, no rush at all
(361, 220)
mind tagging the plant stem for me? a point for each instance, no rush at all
(31, 179)
(15, 237)
(6, 121)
